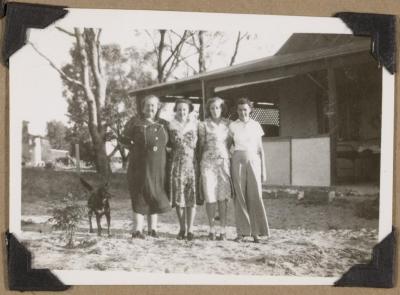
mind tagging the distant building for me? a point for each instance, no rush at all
(36, 149)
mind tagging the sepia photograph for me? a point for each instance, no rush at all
(199, 148)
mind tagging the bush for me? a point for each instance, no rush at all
(67, 216)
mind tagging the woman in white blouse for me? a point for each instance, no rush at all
(248, 172)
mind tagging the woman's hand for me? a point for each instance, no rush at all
(263, 176)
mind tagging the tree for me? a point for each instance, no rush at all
(203, 41)
(167, 48)
(92, 81)
(125, 71)
(56, 133)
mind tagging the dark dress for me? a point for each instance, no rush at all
(147, 165)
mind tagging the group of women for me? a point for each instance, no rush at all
(183, 163)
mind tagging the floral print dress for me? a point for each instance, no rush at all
(183, 172)
(215, 163)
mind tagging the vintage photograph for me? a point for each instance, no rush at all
(224, 150)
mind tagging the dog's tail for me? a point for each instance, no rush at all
(86, 184)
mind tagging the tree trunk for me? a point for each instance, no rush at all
(201, 60)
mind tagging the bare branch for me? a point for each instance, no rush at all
(62, 74)
(177, 47)
(93, 56)
(189, 65)
(98, 46)
(236, 49)
(66, 32)
(152, 40)
(175, 62)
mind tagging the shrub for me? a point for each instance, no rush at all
(67, 216)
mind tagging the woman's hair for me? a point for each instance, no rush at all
(183, 100)
(213, 100)
(146, 99)
(245, 100)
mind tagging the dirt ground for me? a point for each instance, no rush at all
(307, 238)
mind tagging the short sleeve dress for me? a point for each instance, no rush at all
(147, 180)
(183, 168)
(215, 163)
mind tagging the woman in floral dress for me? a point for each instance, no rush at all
(215, 164)
(183, 178)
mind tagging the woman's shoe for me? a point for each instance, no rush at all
(256, 239)
(222, 237)
(181, 235)
(211, 236)
(153, 233)
(190, 236)
(138, 235)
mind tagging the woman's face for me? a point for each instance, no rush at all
(244, 112)
(216, 110)
(150, 108)
(182, 111)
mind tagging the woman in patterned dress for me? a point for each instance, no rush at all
(183, 177)
(248, 171)
(147, 138)
(215, 166)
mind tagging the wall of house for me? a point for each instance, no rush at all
(298, 108)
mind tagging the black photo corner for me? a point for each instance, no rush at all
(19, 17)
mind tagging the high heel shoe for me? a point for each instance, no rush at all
(153, 233)
(190, 236)
(256, 239)
(181, 235)
(138, 235)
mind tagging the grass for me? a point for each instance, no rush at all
(42, 189)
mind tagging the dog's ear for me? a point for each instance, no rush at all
(86, 184)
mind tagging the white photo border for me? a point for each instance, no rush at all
(138, 19)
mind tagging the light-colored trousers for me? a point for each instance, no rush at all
(251, 218)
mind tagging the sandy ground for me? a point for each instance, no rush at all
(287, 252)
(307, 238)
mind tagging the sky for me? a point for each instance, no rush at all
(40, 85)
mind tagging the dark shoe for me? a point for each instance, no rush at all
(181, 235)
(239, 239)
(153, 233)
(211, 236)
(138, 235)
(190, 236)
(222, 237)
(256, 239)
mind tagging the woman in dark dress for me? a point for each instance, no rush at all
(147, 139)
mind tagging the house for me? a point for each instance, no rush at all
(319, 102)
(37, 151)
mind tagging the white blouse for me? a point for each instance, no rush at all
(246, 135)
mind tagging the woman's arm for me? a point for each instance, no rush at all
(201, 138)
(262, 158)
(126, 136)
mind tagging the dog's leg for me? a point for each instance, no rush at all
(98, 216)
(90, 213)
(108, 217)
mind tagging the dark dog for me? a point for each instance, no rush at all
(98, 203)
